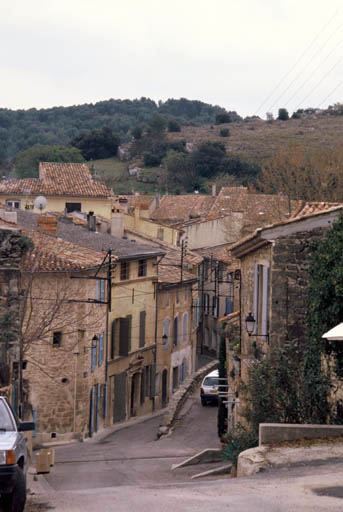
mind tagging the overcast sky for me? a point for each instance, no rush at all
(232, 53)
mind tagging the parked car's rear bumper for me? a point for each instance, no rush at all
(8, 478)
(209, 397)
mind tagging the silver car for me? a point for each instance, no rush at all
(14, 459)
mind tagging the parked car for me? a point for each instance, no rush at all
(14, 459)
(209, 388)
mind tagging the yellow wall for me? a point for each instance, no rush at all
(100, 206)
(130, 297)
(150, 228)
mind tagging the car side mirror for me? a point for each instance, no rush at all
(25, 426)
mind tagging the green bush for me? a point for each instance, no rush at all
(224, 132)
(238, 440)
(173, 126)
(283, 114)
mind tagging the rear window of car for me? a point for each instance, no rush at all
(211, 381)
(6, 420)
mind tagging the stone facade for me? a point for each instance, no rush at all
(12, 248)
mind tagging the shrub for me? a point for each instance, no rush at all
(223, 117)
(151, 159)
(238, 440)
(283, 114)
(173, 126)
(224, 132)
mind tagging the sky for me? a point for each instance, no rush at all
(252, 56)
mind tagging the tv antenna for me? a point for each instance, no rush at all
(40, 203)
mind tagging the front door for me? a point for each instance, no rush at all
(164, 387)
(119, 413)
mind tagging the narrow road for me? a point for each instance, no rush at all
(134, 456)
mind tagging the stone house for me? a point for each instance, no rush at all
(177, 323)
(67, 187)
(63, 337)
(274, 284)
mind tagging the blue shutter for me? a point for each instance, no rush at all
(102, 290)
(228, 306)
(104, 408)
(93, 361)
(185, 327)
(101, 349)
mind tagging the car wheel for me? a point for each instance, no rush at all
(15, 501)
(203, 402)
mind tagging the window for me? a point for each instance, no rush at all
(206, 265)
(185, 327)
(182, 371)
(93, 355)
(185, 294)
(114, 337)
(13, 204)
(176, 331)
(73, 207)
(166, 298)
(56, 339)
(124, 270)
(175, 378)
(100, 290)
(215, 306)
(142, 317)
(160, 233)
(101, 349)
(141, 268)
(221, 268)
(166, 325)
(125, 335)
(261, 299)
(228, 306)
(206, 303)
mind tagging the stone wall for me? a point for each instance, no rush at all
(12, 248)
(289, 286)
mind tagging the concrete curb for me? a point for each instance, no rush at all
(204, 457)
(180, 397)
(223, 470)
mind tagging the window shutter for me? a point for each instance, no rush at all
(265, 276)
(93, 358)
(129, 318)
(104, 406)
(256, 295)
(124, 331)
(176, 328)
(152, 380)
(185, 327)
(228, 306)
(101, 349)
(142, 316)
(143, 377)
(102, 290)
(97, 290)
(113, 338)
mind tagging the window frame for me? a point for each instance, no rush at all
(124, 270)
(59, 342)
(142, 268)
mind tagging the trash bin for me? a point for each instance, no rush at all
(43, 461)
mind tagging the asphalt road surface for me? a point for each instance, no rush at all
(130, 470)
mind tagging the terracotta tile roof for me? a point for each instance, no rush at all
(310, 208)
(172, 275)
(218, 252)
(58, 179)
(174, 209)
(51, 254)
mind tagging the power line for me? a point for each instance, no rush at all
(320, 81)
(313, 72)
(328, 96)
(296, 63)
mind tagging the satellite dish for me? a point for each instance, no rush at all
(40, 203)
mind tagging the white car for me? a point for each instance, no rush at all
(209, 388)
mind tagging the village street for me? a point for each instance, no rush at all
(129, 469)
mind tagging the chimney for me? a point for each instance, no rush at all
(91, 221)
(117, 225)
(214, 190)
(47, 225)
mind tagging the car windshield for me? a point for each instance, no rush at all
(211, 381)
(6, 420)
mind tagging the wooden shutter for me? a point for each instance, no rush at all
(265, 283)
(102, 290)
(176, 329)
(124, 332)
(129, 318)
(185, 327)
(142, 316)
(152, 380)
(93, 356)
(256, 295)
(101, 349)
(113, 338)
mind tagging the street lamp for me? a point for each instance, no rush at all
(250, 324)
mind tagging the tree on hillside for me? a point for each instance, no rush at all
(157, 126)
(27, 162)
(181, 171)
(299, 174)
(208, 157)
(283, 114)
(97, 144)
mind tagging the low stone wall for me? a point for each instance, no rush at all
(181, 395)
(275, 432)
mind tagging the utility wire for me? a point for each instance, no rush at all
(302, 70)
(320, 82)
(312, 73)
(296, 63)
(328, 96)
